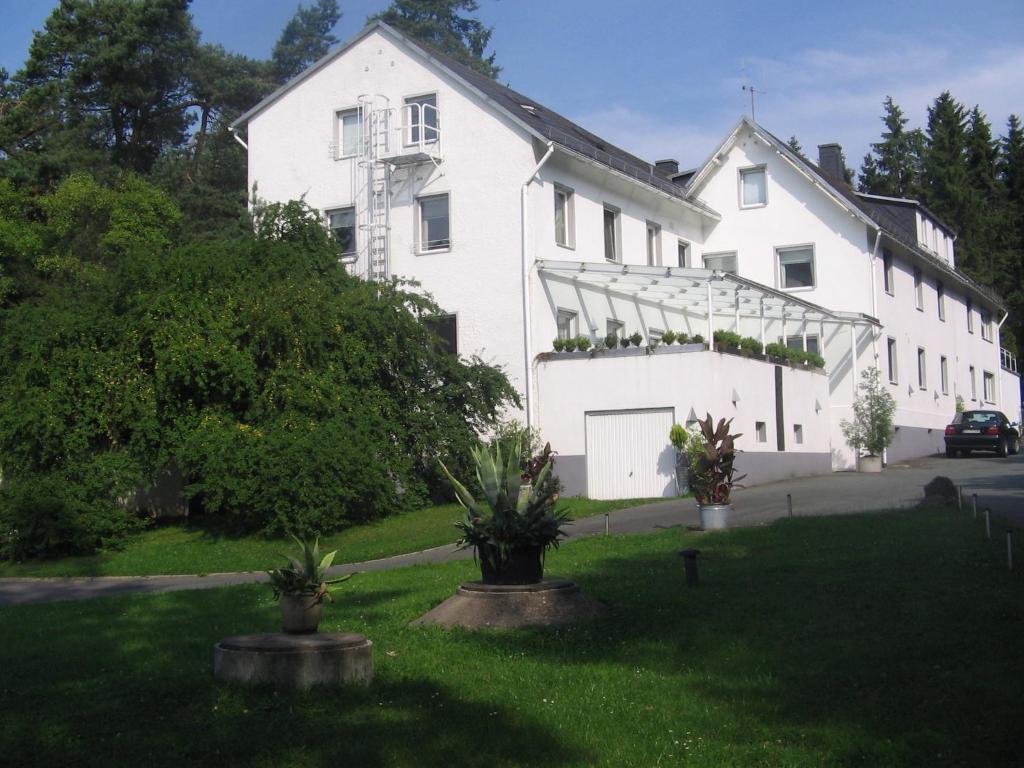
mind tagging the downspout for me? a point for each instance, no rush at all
(527, 335)
(874, 296)
(999, 365)
(238, 138)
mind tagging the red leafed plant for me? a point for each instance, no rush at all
(713, 475)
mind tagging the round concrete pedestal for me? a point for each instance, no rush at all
(294, 661)
(504, 606)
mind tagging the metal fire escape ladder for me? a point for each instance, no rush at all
(377, 172)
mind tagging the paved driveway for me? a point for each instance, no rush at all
(999, 484)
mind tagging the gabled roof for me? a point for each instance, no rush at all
(536, 119)
(871, 212)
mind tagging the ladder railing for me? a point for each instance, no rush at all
(376, 146)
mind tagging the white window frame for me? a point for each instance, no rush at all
(419, 98)
(355, 227)
(922, 368)
(888, 273)
(779, 278)
(974, 383)
(985, 320)
(654, 335)
(919, 289)
(988, 386)
(568, 216)
(616, 233)
(761, 431)
(970, 315)
(339, 132)
(741, 177)
(683, 248)
(420, 245)
(940, 300)
(611, 325)
(944, 374)
(652, 243)
(799, 339)
(892, 360)
(719, 254)
(567, 322)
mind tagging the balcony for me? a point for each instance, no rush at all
(1008, 361)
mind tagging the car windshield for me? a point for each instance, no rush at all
(977, 418)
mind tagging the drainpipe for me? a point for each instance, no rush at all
(238, 138)
(527, 335)
(999, 365)
(874, 295)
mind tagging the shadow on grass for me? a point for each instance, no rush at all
(106, 683)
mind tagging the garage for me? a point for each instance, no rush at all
(629, 455)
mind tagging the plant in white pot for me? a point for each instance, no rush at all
(870, 431)
(302, 586)
(713, 474)
(689, 446)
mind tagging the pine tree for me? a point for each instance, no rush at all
(306, 38)
(794, 145)
(945, 184)
(870, 180)
(896, 158)
(447, 26)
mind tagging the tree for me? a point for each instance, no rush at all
(794, 145)
(870, 180)
(447, 26)
(306, 38)
(896, 158)
(873, 408)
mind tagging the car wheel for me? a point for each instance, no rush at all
(1002, 450)
(1015, 446)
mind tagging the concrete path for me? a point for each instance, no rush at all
(999, 484)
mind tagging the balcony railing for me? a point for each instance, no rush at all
(1008, 361)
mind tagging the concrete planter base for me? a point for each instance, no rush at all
(294, 661)
(714, 517)
(869, 464)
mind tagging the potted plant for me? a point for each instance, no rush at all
(870, 431)
(668, 337)
(637, 339)
(509, 531)
(302, 586)
(611, 341)
(713, 474)
(686, 444)
(558, 344)
(624, 341)
(582, 343)
(697, 339)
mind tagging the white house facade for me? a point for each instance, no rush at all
(525, 227)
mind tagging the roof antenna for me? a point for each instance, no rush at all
(753, 90)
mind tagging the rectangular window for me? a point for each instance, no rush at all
(986, 325)
(798, 434)
(653, 244)
(421, 118)
(918, 289)
(940, 298)
(342, 223)
(752, 187)
(944, 374)
(682, 253)
(446, 328)
(796, 267)
(922, 369)
(654, 335)
(887, 276)
(761, 431)
(567, 324)
(988, 382)
(891, 354)
(722, 262)
(974, 385)
(565, 219)
(970, 316)
(797, 342)
(614, 326)
(348, 132)
(611, 234)
(434, 215)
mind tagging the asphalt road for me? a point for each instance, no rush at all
(998, 483)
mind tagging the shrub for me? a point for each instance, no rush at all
(697, 339)
(682, 338)
(569, 345)
(871, 428)
(668, 337)
(780, 351)
(750, 345)
(637, 339)
(558, 344)
(727, 339)
(582, 343)
(624, 341)
(611, 341)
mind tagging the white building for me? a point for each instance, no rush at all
(525, 226)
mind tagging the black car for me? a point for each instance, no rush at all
(982, 431)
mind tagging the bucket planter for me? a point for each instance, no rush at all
(714, 517)
(302, 587)
(714, 474)
(869, 464)
(301, 614)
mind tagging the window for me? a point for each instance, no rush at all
(797, 342)
(940, 297)
(348, 132)
(970, 316)
(342, 223)
(891, 353)
(988, 383)
(922, 369)
(944, 374)
(986, 326)
(567, 324)
(974, 386)
(752, 187)
(434, 223)
(723, 262)
(887, 272)
(446, 328)
(565, 218)
(654, 335)
(653, 244)
(918, 289)
(761, 431)
(796, 267)
(682, 253)
(421, 118)
(614, 326)
(798, 434)
(611, 233)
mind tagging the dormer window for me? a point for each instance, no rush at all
(421, 118)
(753, 192)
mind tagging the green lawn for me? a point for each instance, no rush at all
(179, 549)
(871, 640)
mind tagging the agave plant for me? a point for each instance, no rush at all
(512, 515)
(305, 577)
(713, 475)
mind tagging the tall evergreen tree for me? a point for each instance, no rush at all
(446, 25)
(982, 154)
(945, 184)
(870, 180)
(1011, 161)
(306, 38)
(794, 144)
(896, 158)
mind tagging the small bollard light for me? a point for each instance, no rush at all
(974, 501)
(960, 498)
(789, 503)
(690, 564)
(1009, 548)
(607, 523)
(988, 523)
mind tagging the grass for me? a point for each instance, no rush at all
(180, 549)
(870, 640)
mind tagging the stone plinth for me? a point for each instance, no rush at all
(503, 606)
(294, 661)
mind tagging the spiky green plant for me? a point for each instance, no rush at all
(306, 576)
(507, 519)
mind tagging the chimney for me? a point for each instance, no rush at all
(667, 167)
(830, 161)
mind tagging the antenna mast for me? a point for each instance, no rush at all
(752, 90)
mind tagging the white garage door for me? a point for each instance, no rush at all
(629, 455)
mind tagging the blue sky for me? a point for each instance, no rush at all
(662, 77)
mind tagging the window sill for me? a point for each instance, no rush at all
(890, 293)
(345, 157)
(919, 309)
(566, 246)
(432, 251)
(799, 289)
(753, 206)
